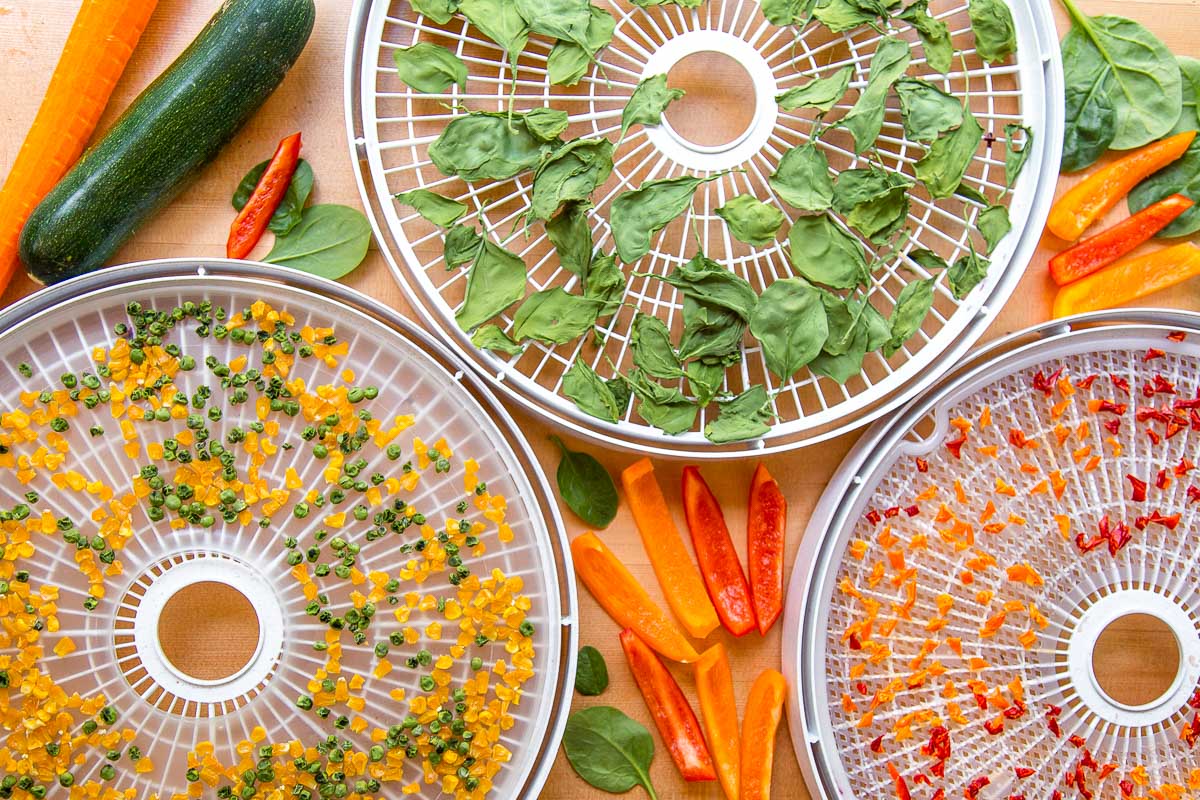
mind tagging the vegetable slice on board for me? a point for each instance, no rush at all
(1129, 280)
(718, 558)
(718, 710)
(764, 709)
(1106, 247)
(586, 487)
(288, 215)
(330, 241)
(624, 599)
(101, 41)
(677, 575)
(673, 715)
(1091, 198)
(252, 221)
(609, 750)
(766, 531)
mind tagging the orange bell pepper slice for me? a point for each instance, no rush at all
(619, 594)
(1092, 197)
(718, 710)
(677, 574)
(1129, 280)
(764, 709)
(723, 576)
(766, 531)
(673, 715)
(1104, 248)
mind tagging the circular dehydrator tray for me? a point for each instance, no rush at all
(965, 559)
(391, 128)
(116, 652)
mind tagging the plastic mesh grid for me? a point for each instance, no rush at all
(1159, 560)
(170, 720)
(400, 124)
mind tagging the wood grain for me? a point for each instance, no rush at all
(196, 224)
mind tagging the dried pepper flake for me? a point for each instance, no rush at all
(1139, 488)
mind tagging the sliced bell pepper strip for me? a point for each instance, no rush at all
(1092, 197)
(251, 223)
(718, 709)
(766, 531)
(764, 709)
(677, 574)
(619, 594)
(677, 723)
(1129, 280)
(1104, 248)
(718, 559)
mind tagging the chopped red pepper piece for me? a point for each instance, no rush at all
(1139, 488)
(955, 446)
(1087, 382)
(1119, 382)
(902, 792)
(251, 223)
(676, 722)
(976, 786)
(766, 532)
(1177, 336)
(719, 565)
(922, 465)
(1023, 772)
(1045, 384)
(1153, 353)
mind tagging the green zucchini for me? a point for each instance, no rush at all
(176, 127)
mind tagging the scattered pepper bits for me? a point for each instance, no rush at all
(915, 647)
(448, 734)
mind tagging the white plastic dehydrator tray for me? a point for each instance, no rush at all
(116, 648)
(910, 530)
(391, 127)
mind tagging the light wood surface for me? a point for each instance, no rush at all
(196, 224)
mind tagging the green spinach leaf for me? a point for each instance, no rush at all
(928, 259)
(912, 306)
(1016, 153)
(546, 124)
(710, 333)
(966, 273)
(942, 167)
(571, 236)
(819, 93)
(994, 225)
(995, 33)
(569, 62)
(462, 246)
(842, 317)
(430, 68)
(935, 35)
(824, 253)
(496, 280)
(605, 284)
(706, 281)
(704, 380)
(927, 111)
(609, 750)
(751, 220)
(586, 487)
(747, 416)
(841, 16)
(500, 21)
(790, 324)
(873, 201)
(786, 12)
(591, 673)
(639, 213)
(1091, 118)
(865, 119)
(486, 146)
(592, 394)
(1182, 177)
(802, 179)
(291, 208)
(1189, 72)
(663, 408)
(681, 3)
(842, 359)
(554, 316)
(570, 174)
(330, 241)
(490, 337)
(440, 11)
(653, 352)
(558, 19)
(647, 104)
(441, 211)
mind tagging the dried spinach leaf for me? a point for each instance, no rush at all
(824, 253)
(430, 68)
(865, 119)
(802, 178)
(496, 280)
(790, 324)
(747, 416)
(647, 104)
(441, 211)
(819, 93)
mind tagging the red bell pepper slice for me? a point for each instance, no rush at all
(765, 534)
(677, 723)
(723, 576)
(254, 217)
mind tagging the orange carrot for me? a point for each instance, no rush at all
(619, 593)
(1106, 247)
(718, 707)
(764, 709)
(1092, 197)
(1129, 280)
(101, 41)
(678, 576)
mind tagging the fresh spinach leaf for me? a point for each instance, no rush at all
(441, 211)
(605, 284)
(490, 337)
(747, 416)
(927, 111)
(865, 119)
(1016, 153)
(554, 316)
(500, 21)
(430, 68)
(609, 750)
(330, 241)
(647, 104)
(752, 221)
(934, 34)
(291, 208)
(462, 246)
(570, 174)
(706, 281)
(653, 352)
(912, 306)
(483, 146)
(790, 324)
(639, 213)
(966, 273)
(496, 280)
(873, 201)
(994, 225)
(1091, 118)
(571, 236)
(591, 393)
(819, 93)
(586, 487)
(1182, 177)
(802, 178)
(1147, 90)
(1189, 117)
(824, 253)
(841, 16)
(704, 380)
(591, 673)
(995, 33)
(942, 167)
(663, 408)
(440, 11)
